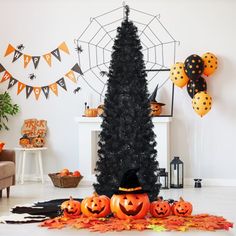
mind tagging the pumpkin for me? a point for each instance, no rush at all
(38, 142)
(1, 146)
(71, 208)
(156, 108)
(96, 206)
(91, 112)
(182, 208)
(130, 206)
(24, 141)
(160, 208)
(100, 110)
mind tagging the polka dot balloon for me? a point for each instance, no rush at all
(195, 86)
(210, 63)
(194, 66)
(201, 103)
(177, 75)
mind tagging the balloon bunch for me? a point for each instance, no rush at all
(190, 73)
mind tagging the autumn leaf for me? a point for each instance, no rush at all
(157, 228)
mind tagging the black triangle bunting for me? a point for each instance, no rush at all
(17, 55)
(28, 90)
(35, 60)
(46, 91)
(76, 68)
(56, 53)
(2, 68)
(62, 83)
(12, 82)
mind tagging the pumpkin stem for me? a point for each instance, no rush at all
(181, 199)
(160, 198)
(71, 199)
(95, 194)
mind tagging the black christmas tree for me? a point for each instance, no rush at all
(127, 140)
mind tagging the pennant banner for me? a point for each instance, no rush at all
(38, 89)
(27, 58)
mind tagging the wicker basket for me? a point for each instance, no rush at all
(65, 181)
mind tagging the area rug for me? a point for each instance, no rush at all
(48, 214)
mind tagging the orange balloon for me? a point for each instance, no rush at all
(177, 75)
(202, 103)
(210, 63)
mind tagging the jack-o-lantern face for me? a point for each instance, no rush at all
(96, 206)
(182, 208)
(156, 108)
(38, 142)
(24, 141)
(71, 208)
(130, 206)
(160, 208)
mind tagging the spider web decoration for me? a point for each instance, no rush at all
(94, 47)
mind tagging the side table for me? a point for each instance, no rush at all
(22, 158)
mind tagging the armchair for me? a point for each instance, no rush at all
(7, 170)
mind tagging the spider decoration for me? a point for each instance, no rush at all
(20, 47)
(77, 90)
(103, 73)
(32, 76)
(78, 49)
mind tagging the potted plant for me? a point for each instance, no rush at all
(7, 108)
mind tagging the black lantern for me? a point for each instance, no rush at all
(163, 178)
(176, 173)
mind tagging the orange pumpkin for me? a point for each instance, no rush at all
(38, 142)
(91, 112)
(1, 146)
(156, 108)
(100, 110)
(160, 208)
(24, 141)
(71, 208)
(130, 206)
(182, 208)
(96, 206)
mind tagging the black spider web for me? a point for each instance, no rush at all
(96, 41)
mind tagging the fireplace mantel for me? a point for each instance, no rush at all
(88, 129)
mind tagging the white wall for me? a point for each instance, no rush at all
(205, 144)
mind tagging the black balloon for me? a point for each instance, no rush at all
(195, 86)
(193, 66)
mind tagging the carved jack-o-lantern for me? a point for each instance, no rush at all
(130, 206)
(96, 206)
(156, 108)
(160, 208)
(24, 141)
(71, 208)
(38, 142)
(182, 208)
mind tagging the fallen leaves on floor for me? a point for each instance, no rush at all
(203, 222)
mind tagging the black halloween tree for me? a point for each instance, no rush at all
(127, 140)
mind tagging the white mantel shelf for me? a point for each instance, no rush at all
(88, 129)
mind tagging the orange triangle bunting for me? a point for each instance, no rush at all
(20, 87)
(37, 91)
(64, 48)
(48, 58)
(10, 49)
(70, 75)
(6, 76)
(54, 88)
(27, 59)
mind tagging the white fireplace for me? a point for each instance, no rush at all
(88, 131)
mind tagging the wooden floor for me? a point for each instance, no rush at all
(214, 200)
